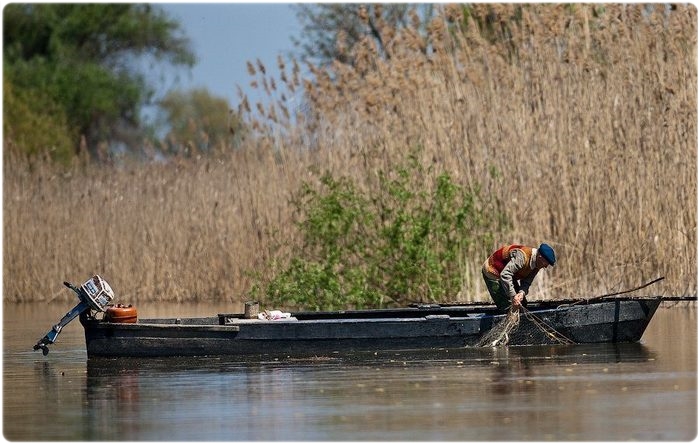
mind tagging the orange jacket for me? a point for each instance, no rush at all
(498, 260)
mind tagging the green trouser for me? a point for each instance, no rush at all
(497, 292)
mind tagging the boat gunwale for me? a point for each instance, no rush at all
(431, 314)
(165, 326)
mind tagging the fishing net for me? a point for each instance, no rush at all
(549, 332)
(522, 327)
(499, 334)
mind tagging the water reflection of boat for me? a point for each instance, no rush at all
(99, 367)
(422, 327)
(535, 355)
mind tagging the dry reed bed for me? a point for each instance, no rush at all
(588, 134)
(589, 138)
(187, 230)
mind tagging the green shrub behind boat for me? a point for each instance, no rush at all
(396, 242)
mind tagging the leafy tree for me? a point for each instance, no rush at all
(36, 124)
(198, 119)
(82, 60)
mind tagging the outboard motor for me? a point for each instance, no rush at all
(94, 294)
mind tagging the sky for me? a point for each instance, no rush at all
(224, 37)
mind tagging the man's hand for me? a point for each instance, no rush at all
(517, 299)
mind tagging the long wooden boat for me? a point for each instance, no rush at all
(411, 328)
(116, 331)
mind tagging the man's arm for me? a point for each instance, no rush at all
(525, 283)
(517, 261)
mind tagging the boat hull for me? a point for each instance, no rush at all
(608, 322)
(328, 332)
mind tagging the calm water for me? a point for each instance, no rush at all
(644, 391)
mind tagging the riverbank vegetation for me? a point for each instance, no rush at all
(574, 125)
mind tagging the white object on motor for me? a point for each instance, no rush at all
(99, 293)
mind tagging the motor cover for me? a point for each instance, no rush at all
(98, 292)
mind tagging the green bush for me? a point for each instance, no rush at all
(34, 124)
(402, 242)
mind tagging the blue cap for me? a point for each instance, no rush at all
(548, 253)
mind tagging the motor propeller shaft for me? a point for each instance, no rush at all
(51, 336)
(94, 294)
